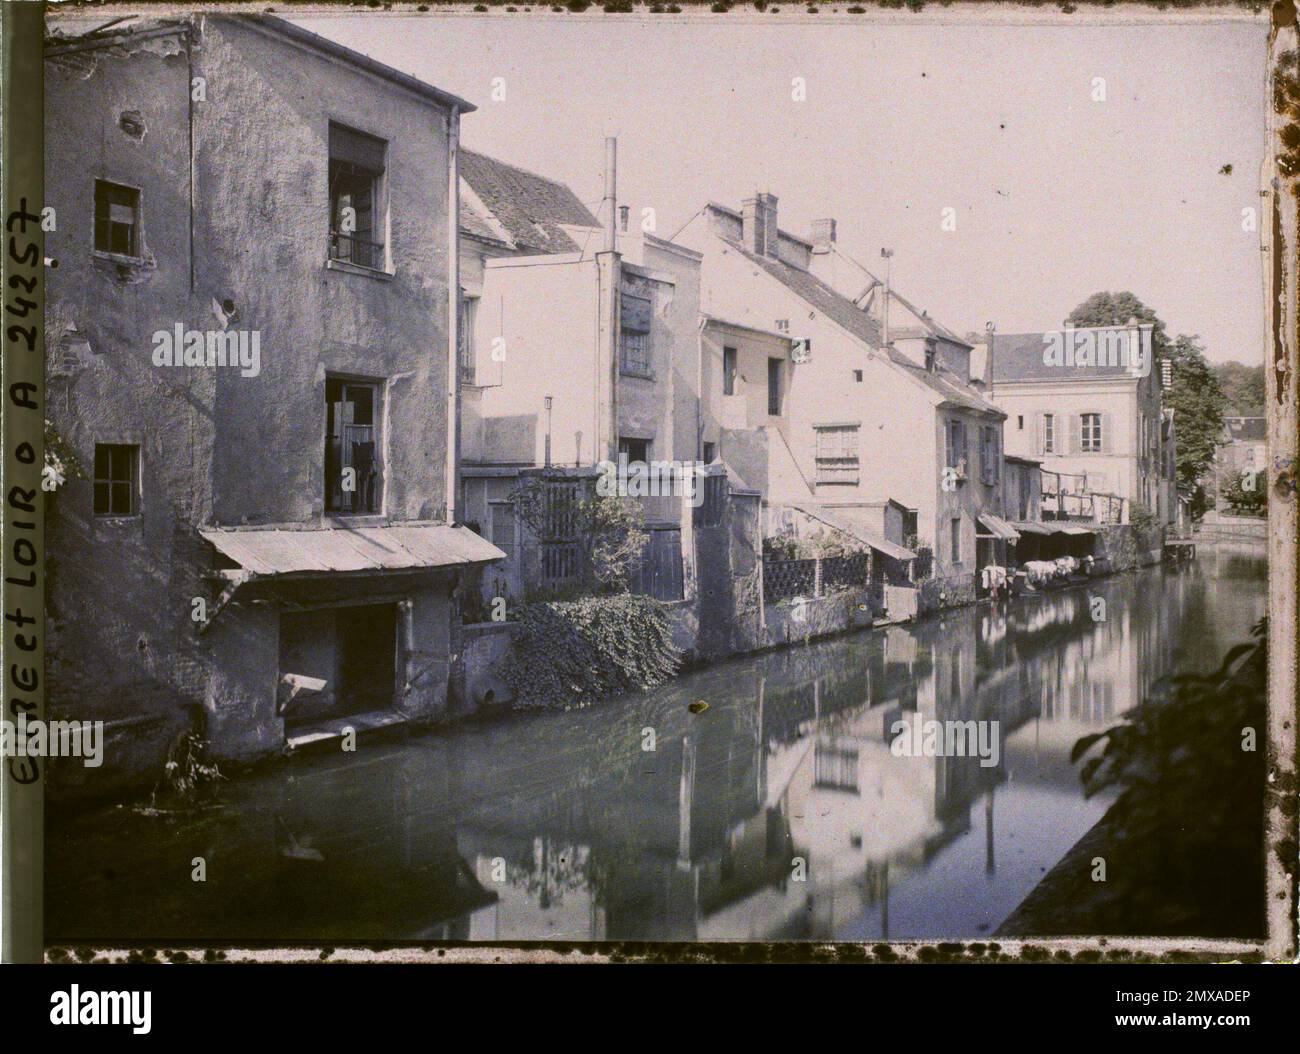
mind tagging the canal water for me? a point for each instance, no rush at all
(779, 812)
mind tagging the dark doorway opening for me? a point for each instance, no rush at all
(336, 662)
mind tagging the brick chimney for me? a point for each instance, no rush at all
(822, 235)
(758, 223)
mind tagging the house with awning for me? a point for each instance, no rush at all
(263, 551)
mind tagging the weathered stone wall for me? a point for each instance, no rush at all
(484, 651)
(216, 446)
(1123, 547)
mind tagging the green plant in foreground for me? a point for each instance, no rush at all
(1188, 824)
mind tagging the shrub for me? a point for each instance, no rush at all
(1189, 818)
(570, 654)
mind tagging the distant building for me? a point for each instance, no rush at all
(1097, 425)
(1244, 444)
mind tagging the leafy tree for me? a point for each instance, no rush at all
(1115, 309)
(1244, 490)
(1243, 388)
(1198, 404)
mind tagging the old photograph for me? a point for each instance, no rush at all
(561, 475)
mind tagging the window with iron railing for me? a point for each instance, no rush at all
(356, 184)
(353, 446)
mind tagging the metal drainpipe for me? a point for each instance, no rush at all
(453, 314)
(699, 389)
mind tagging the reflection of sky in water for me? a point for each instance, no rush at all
(558, 827)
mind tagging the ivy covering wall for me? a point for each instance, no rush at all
(574, 653)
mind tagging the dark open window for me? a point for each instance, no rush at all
(774, 387)
(353, 446)
(117, 218)
(356, 175)
(728, 371)
(117, 476)
(634, 449)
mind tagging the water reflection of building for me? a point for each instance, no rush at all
(702, 841)
(563, 828)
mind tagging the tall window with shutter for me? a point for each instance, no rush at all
(1048, 434)
(634, 339)
(465, 338)
(957, 452)
(989, 461)
(503, 527)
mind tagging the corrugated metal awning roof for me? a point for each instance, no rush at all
(399, 547)
(868, 537)
(999, 527)
(1026, 527)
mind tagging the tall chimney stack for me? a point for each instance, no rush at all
(610, 204)
(758, 223)
(823, 235)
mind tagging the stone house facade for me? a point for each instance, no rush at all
(250, 339)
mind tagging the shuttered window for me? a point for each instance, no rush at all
(989, 460)
(503, 527)
(634, 338)
(837, 454)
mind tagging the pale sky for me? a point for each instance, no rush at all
(1056, 195)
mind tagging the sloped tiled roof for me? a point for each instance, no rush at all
(530, 207)
(1019, 357)
(840, 310)
(953, 388)
(474, 223)
(851, 318)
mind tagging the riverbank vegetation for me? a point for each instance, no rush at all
(1186, 848)
(572, 653)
